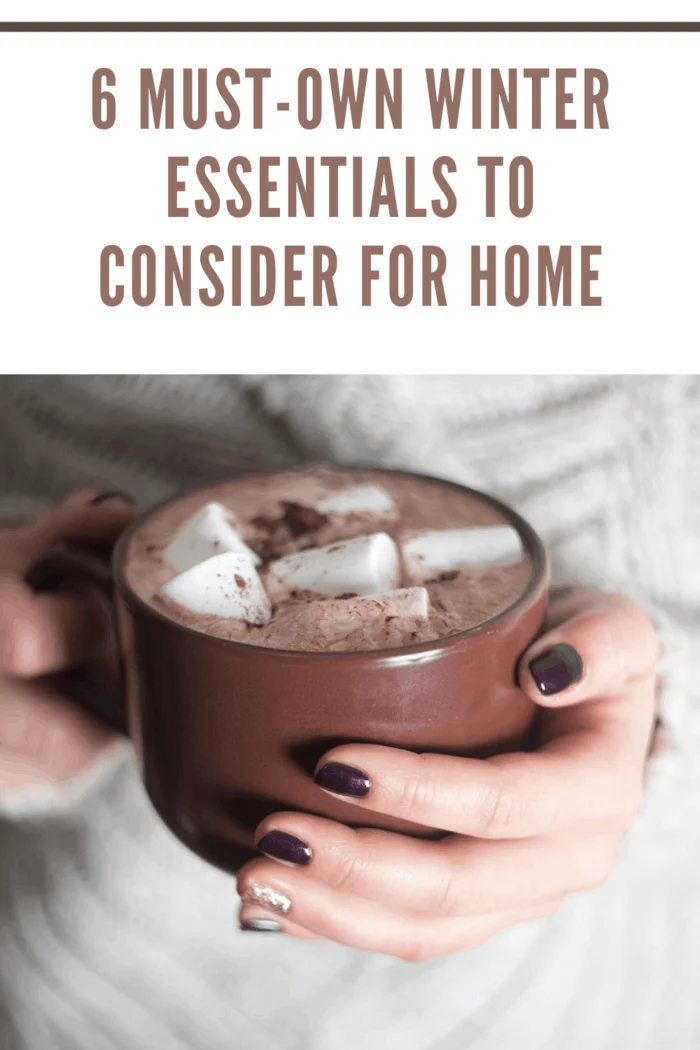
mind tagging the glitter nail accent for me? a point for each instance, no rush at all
(267, 897)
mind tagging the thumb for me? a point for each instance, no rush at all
(599, 643)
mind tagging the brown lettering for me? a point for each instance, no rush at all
(564, 97)
(300, 186)
(432, 276)
(536, 76)
(112, 251)
(215, 298)
(517, 252)
(490, 163)
(401, 254)
(504, 100)
(383, 192)
(258, 252)
(445, 98)
(309, 116)
(488, 275)
(174, 275)
(595, 90)
(239, 211)
(257, 76)
(444, 211)
(588, 275)
(141, 298)
(192, 121)
(233, 119)
(267, 186)
(348, 97)
(369, 274)
(205, 164)
(389, 99)
(154, 99)
(323, 275)
(549, 275)
(412, 212)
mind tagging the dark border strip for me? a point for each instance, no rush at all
(349, 27)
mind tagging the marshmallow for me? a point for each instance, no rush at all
(441, 550)
(225, 585)
(359, 566)
(405, 602)
(208, 533)
(363, 498)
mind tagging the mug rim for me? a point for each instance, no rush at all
(532, 545)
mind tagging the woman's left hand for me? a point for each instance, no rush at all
(526, 830)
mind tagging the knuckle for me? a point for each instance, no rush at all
(416, 795)
(452, 896)
(350, 861)
(497, 811)
(348, 871)
(460, 890)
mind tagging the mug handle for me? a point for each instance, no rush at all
(91, 686)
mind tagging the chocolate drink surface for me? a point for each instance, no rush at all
(454, 563)
(231, 713)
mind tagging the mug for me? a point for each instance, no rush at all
(226, 733)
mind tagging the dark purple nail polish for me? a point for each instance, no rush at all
(261, 925)
(343, 780)
(556, 669)
(281, 846)
(102, 497)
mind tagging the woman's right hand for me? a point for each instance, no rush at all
(44, 737)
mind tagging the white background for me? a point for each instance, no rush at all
(67, 189)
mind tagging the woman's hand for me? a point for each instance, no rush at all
(527, 829)
(43, 736)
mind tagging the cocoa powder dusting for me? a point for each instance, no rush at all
(276, 516)
(300, 519)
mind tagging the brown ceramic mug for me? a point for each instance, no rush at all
(227, 733)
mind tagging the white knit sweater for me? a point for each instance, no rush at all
(114, 937)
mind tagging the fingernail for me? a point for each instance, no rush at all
(343, 780)
(261, 925)
(102, 497)
(267, 897)
(281, 846)
(556, 669)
